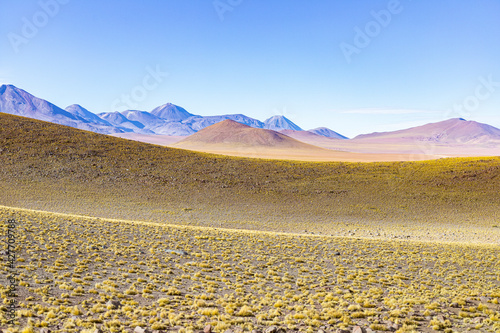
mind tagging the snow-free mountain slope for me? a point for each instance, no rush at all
(171, 112)
(278, 123)
(120, 121)
(451, 131)
(146, 119)
(172, 128)
(79, 111)
(21, 103)
(199, 122)
(327, 132)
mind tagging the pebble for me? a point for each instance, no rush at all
(179, 252)
(139, 329)
(114, 304)
(358, 329)
(271, 329)
(340, 330)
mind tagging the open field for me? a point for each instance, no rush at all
(76, 272)
(56, 168)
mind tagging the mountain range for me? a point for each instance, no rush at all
(172, 120)
(167, 119)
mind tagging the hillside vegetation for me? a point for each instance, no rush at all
(55, 168)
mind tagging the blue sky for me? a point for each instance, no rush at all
(353, 66)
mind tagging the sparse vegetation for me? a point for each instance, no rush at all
(244, 279)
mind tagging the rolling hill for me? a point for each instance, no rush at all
(57, 168)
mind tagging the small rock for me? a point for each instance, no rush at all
(179, 252)
(256, 331)
(478, 320)
(207, 329)
(337, 253)
(228, 331)
(44, 330)
(440, 318)
(114, 304)
(281, 330)
(358, 329)
(340, 330)
(321, 331)
(454, 305)
(271, 329)
(139, 329)
(483, 299)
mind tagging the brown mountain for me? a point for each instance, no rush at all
(231, 134)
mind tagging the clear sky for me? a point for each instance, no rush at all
(353, 66)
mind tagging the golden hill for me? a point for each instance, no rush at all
(56, 168)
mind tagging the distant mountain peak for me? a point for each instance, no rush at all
(279, 122)
(171, 112)
(327, 133)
